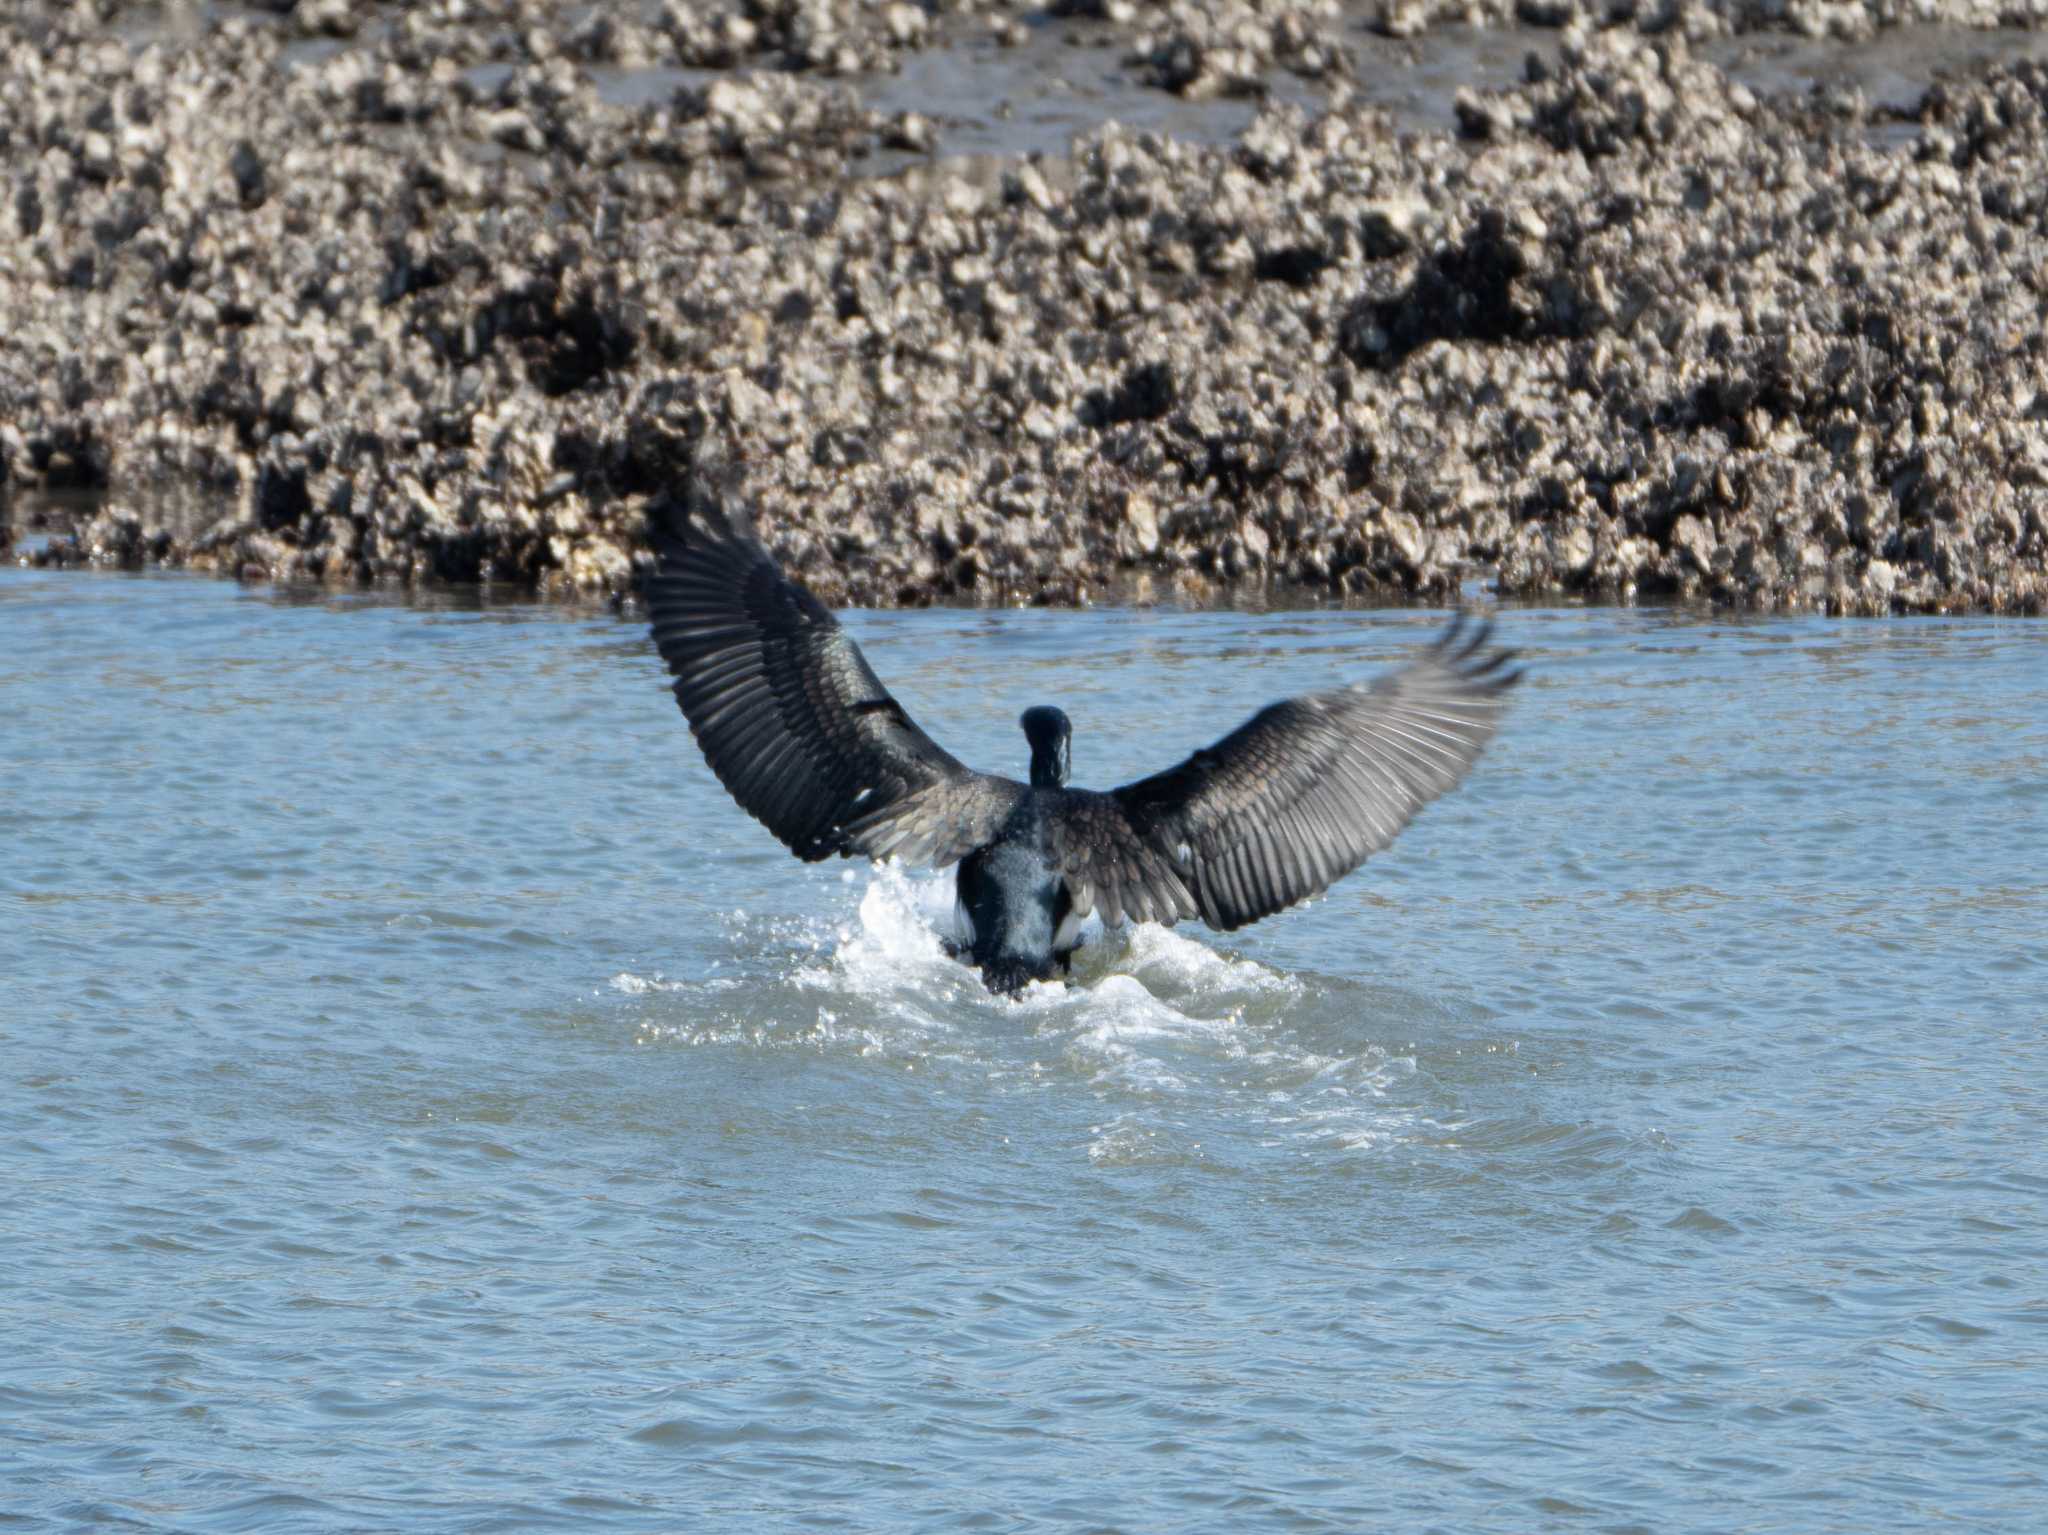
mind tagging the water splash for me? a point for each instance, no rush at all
(1154, 1021)
(898, 936)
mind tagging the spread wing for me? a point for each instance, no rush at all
(1296, 797)
(789, 714)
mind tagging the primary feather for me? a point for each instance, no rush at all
(790, 716)
(1307, 789)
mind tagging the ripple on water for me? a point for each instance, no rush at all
(1649, 1138)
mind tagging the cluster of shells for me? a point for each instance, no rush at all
(426, 302)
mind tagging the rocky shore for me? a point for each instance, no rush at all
(358, 293)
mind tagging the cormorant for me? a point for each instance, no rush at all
(801, 731)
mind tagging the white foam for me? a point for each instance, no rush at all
(643, 985)
(1185, 964)
(1154, 1017)
(894, 938)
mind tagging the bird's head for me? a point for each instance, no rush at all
(1048, 731)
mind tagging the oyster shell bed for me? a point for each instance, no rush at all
(425, 303)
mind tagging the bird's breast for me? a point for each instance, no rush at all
(1009, 895)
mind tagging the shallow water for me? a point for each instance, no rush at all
(1068, 76)
(429, 1104)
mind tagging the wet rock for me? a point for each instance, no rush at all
(251, 182)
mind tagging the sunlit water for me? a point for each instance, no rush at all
(428, 1104)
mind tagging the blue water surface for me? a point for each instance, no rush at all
(428, 1104)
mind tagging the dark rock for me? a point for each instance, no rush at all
(251, 181)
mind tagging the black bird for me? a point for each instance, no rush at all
(801, 731)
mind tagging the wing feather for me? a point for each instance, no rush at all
(1294, 799)
(789, 714)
